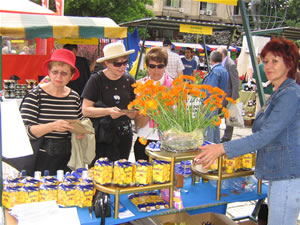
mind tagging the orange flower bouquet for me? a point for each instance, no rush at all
(182, 113)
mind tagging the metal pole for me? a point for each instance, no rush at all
(1, 62)
(1, 175)
(127, 45)
(142, 50)
(252, 52)
(206, 55)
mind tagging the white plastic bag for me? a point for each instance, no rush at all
(235, 118)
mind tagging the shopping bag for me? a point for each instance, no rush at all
(235, 118)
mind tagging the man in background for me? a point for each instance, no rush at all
(83, 67)
(175, 66)
(217, 77)
(190, 64)
(232, 87)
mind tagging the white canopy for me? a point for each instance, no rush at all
(23, 6)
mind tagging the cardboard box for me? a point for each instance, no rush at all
(247, 222)
(213, 218)
(175, 218)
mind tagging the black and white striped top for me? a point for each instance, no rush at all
(39, 107)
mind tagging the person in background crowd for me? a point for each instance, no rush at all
(196, 58)
(45, 112)
(217, 77)
(25, 51)
(156, 61)
(83, 67)
(5, 50)
(275, 135)
(232, 86)
(190, 64)
(267, 86)
(106, 93)
(202, 64)
(174, 66)
(298, 77)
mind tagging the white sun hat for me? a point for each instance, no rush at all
(114, 50)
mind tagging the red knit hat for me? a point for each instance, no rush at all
(62, 55)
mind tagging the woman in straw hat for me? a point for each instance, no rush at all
(46, 109)
(105, 95)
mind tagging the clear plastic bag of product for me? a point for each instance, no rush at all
(239, 184)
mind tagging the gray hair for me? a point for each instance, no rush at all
(223, 50)
(216, 56)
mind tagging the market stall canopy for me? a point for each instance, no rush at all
(45, 26)
(178, 45)
(197, 47)
(292, 33)
(174, 24)
(23, 6)
(215, 47)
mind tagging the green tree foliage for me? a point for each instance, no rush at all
(293, 17)
(118, 10)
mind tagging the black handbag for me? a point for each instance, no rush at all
(57, 147)
(104, 130)
(26, 162)
(101, 205)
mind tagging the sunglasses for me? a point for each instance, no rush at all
(159, 66)
(119, 64)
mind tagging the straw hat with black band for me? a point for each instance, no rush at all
(113, 51)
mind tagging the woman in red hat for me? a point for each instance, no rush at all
(46, 109)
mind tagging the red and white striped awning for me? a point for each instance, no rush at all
(179, 45)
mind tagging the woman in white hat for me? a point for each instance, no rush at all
(106, 93)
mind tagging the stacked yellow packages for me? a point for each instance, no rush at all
(10, 196)
(248, 161)
(214, 166)
(32, 194)
(11, 192)
(85, 194)
(230, 165)
(123, 173)
(161, 171)
(143, 173)
(67, 194)
(48, 192)
(103, 171)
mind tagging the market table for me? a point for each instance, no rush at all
(199, 198)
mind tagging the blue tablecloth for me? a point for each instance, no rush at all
(200, 198)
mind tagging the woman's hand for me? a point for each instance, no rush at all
(115, 112)
(131, 115)
(80, 136)
(209, 154)
(62, 126)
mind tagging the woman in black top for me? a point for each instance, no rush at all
(106, 93)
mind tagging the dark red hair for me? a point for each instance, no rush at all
(287, 50)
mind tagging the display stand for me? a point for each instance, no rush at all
(162, 155)
(173, 157)
(117, 191)
(220, 176)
